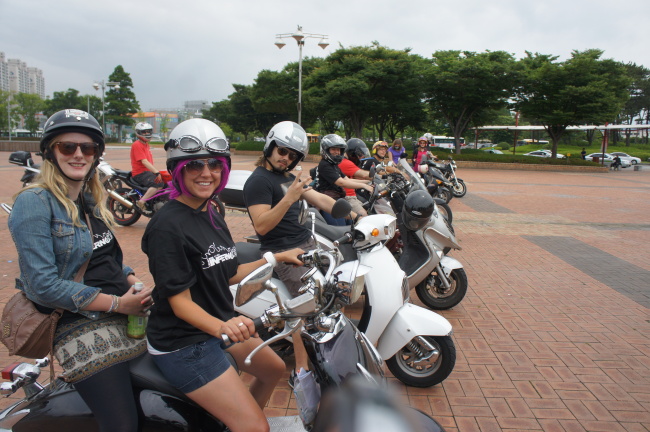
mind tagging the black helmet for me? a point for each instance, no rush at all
(418, 208)
(357, 148)
(332, 141)
(71, 120)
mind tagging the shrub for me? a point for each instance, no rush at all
(504, 146)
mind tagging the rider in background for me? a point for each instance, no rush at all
(380, 152)
(142, 169)
(48, 224)
(349, 166)
(422, 150)
(333, 182)
(193, 260)
(397, 151)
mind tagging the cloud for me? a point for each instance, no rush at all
(178, 51)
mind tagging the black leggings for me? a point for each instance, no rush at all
(109, 396)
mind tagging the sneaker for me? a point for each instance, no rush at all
(292, 377)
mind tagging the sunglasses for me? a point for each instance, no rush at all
(196, 166)
(284, 152)
(70, 148)
(191, 144)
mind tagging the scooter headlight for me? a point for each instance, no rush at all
(351, 280)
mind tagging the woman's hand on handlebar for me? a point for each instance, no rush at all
(238, 329)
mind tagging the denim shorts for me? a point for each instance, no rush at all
(194, 366)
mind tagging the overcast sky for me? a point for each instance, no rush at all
(196, 49)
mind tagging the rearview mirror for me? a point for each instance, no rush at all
(341, 208)
(253, 284)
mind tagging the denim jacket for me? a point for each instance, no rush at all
(50, 251)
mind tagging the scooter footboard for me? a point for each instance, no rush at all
(411, 321)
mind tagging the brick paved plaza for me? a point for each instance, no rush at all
(554, 334)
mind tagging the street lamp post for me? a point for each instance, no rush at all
(103, 85)
(300, 37)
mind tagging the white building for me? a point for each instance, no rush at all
(17, 77)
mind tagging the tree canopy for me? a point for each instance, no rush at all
(121, 102)
(584, 89)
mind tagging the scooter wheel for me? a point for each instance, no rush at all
(419, 365)
(460, 189)
(433, 294)
(123, 215)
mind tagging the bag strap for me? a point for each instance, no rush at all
(59, 312)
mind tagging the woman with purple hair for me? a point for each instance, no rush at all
(193, 260)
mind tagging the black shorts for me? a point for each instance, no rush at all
(147, 179)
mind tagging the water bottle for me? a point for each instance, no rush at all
(137, 324)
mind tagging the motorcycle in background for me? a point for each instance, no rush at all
(124, 193)
(24, 159)
(459, 189)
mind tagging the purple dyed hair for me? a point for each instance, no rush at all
(177, 187)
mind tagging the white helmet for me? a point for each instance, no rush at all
(194, 138)
(143, 130)
(289, 135)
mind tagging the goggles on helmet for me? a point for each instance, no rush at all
(191, 144)
(145, 132)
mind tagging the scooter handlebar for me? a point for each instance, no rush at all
(347, 238)
(257, 322)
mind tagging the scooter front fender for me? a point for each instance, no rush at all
(449, 264)
(408, 322)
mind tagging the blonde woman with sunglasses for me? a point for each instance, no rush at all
(59, 225)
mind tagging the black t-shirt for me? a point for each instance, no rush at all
(187, 252)
(265, 187)
(328, 174)
(368, 163)
(105, 266)
(104, 269)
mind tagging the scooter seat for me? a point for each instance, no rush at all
(145, 374)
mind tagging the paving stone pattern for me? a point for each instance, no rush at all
(554, 333)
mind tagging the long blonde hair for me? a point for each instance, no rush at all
(51, 179)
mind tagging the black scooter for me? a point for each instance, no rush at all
(24, 159)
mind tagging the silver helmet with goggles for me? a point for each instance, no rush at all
(196, 138)
(289, 135)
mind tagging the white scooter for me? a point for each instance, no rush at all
(415, 341)
(440, 281)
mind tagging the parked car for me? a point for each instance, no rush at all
(493, 151)
(624, 156)
(608, 159)
(550, 153)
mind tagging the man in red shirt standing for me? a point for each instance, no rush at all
(142, 169)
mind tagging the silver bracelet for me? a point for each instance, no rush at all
(113, 304)
(268, 256)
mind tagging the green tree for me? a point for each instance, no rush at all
(581, 90)
(466, 88)
(121, 103)
(237, 111)
(61, 100)
(28, 106)
(638, 106)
